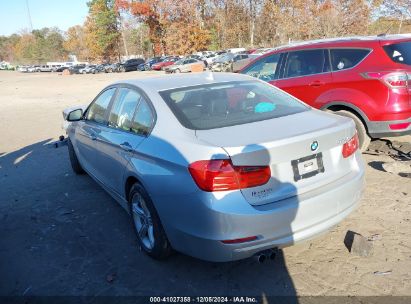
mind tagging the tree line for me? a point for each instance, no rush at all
(115, 28)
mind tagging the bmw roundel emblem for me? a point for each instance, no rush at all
(314, 146)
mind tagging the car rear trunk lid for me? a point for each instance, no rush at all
(304, 152)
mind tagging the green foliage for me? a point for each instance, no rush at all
(214, 44)
(102, 29)
(39, 46)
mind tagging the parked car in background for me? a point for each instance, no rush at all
(166, 62)
(100, 68)
(149, 63)
(62, 68)
(32, 69)
(23, 68)
(364, 78)
(45, 68)
(209, 58)
(88, 69)
(241, 60)
(75, 69)
(224, 184)
(184, 65)
(222, 63)
(236, 50)
(141, 67)
(113, 68)
(194, 56)
(131, 64)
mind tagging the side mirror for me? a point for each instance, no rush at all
(75, 115)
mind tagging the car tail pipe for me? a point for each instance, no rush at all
(265, 255)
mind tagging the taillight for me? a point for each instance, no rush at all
(397, 80)
(392, 79)
(350, 146)
(221, 175)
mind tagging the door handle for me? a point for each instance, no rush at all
(316, 83)
(126, 147)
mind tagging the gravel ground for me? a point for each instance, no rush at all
(61, 234)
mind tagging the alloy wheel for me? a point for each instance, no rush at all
(142, 221)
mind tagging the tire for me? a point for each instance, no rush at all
(152, 239)
(75, 164)
(363, 136)
(177, 71)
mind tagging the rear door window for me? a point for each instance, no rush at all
(143, 119)
(265, 69)
(122, 112)
(97, 110)
(302, 63)
(399, 52)
(342, 59)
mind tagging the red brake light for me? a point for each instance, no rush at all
(392, 79)
(397, 80)
(221, 175)
(351, 146)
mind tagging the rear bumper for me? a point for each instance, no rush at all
(378, 129)
(198, 232)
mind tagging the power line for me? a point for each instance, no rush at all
(29, 15)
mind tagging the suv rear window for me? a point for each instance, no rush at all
(221, 105)
(342, 59)
(399, 52)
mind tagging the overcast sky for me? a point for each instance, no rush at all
(44, 13)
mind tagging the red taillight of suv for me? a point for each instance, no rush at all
(392, 79)
(222, 175)
(351, 146)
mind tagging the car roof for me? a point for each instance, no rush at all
(173, 81)
(343, 40)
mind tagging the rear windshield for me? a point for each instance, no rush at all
(399, 52)
(226, 104)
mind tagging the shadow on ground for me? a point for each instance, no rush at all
(61, 234)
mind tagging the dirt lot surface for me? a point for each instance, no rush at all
(61, 234)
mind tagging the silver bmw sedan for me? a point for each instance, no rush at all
(217, 166)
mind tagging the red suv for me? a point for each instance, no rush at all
(365, 78)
